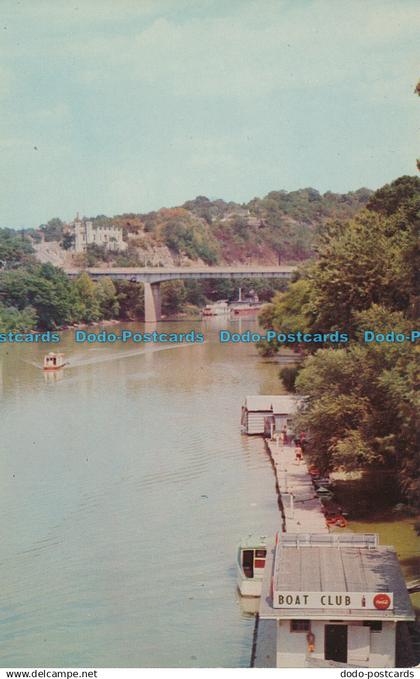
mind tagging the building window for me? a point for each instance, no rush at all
(300, 625)
(375, 625)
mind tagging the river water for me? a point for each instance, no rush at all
(125, 487)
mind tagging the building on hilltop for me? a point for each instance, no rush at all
(87, 233)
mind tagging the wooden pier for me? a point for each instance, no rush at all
(301, 511)
(301, 506)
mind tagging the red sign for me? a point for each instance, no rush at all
(381, 601)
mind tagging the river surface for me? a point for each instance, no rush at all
(125, 487)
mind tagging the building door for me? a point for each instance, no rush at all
(336, 643)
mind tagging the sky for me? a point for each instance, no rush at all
(113, 106)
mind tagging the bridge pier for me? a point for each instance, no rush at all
(152, 302)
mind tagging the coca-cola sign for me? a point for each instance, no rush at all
(382, 601)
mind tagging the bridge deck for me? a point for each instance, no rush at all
(201, 271)
(152, 277)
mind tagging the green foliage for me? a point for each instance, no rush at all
(15, 249)
(130, 298)
(97, 253)
(128, 258)
(361, 406)
(101, 220)
(106, 294)
(289, 311)
(290, 221)
(44, 297)
(68, 241)
(206, 209)
(359, 265)
(361, 400)
(194, 291)
(288, 375)
(173, 296)
(281, 226)
(53, 230)
(43, 287)
(191, 239)
(14, 320)
(374, 258)
(391, 197)
(86, 303)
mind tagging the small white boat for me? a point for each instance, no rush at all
(220, 308)
(252, 552)
(53, 361)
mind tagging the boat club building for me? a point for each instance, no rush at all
(267, 414)
(336, 600)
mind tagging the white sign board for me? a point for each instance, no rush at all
(380, 601)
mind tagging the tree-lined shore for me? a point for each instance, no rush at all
(361, 399)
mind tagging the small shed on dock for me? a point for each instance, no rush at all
(335, 600)
(264, 414)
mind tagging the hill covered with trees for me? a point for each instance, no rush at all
(361, 399)
(282, 226)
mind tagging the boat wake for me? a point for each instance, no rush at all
(79, 362)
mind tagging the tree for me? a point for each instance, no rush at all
(130, 296)
(13, 320)
(15, 250)
(361, 403)
(361, 400)
(106, 295)
(53, 230)
(43, 287)
(173, 296)
(68, 241)
(390, 198)
(86, 304)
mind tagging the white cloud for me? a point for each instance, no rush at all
(254, 52)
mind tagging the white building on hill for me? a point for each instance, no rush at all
(86, 233)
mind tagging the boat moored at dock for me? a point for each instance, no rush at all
(220, 308)
(246, 306)
(252, 552)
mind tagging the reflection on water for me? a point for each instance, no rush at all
(125, 487)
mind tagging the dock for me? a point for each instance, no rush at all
(301, 513)
(302, 509)
(346, 590)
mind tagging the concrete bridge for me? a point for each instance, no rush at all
(153, 277)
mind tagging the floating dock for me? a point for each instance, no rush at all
(301, 512)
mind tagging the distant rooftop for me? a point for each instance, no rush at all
(279, 404)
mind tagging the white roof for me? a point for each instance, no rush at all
(284, 404)
(335, 568)
(258, 402)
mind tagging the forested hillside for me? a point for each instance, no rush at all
(281, 227)
(361, 399)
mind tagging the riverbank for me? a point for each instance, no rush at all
(303, 514)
